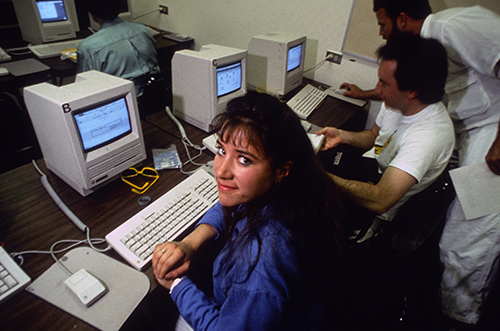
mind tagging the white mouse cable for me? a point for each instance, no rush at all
(53, 252)
(185, 140)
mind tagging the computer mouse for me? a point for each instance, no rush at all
(86, 287)
(3, 71)
(342, 90)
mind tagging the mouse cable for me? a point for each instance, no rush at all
(76, 243)
(187, 143)
(52, 251)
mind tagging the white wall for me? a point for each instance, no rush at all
(234, 22)
(324, 22)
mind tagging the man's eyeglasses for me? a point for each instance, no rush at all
(133, 172)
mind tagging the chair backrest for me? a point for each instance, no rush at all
(154, 97)
(18, 144)
(420, 216)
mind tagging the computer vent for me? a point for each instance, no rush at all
(104, 167)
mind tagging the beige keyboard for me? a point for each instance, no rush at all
(306, 101)
(13, 279)
(54, 49)
(164, 219)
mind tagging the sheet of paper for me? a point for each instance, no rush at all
(182, 325)
(478, 190)
(370, 153)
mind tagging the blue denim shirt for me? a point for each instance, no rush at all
(265, 300)
(120, 48)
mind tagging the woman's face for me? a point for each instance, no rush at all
(242, 172)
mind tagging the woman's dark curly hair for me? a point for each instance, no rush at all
(306, 200)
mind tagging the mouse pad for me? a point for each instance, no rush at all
(25, 67)
(109, 312)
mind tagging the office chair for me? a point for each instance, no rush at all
(18, 144)
(400, 268)
(155, 96)
(414, 236)
(420, 216)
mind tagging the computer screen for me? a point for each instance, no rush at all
(89, 131)
(276, 62)
(228, 78)
(99, 125)
(43, 21)
(51, 10)
(204, 81)
(294, 57)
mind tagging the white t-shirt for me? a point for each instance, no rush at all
(420, 145)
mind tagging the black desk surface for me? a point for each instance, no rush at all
(65, 68)
(30, 220)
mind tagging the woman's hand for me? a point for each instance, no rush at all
(171, 260)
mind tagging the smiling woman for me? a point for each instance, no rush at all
(279, 215)
(243, 174)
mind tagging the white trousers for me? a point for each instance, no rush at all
(469, 249)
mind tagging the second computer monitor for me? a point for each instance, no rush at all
(43, 21)
(204, 81)
(276, 62)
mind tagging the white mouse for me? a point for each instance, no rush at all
(86, 287)
(341, 90)
(3, 71)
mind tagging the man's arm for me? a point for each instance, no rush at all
(84, 59)
(381, 197)
(355, 92)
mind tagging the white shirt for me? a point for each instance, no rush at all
(471, 37)
(419, 145)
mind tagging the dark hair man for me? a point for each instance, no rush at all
(469, 249)
(412, 136)
(119, 48)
